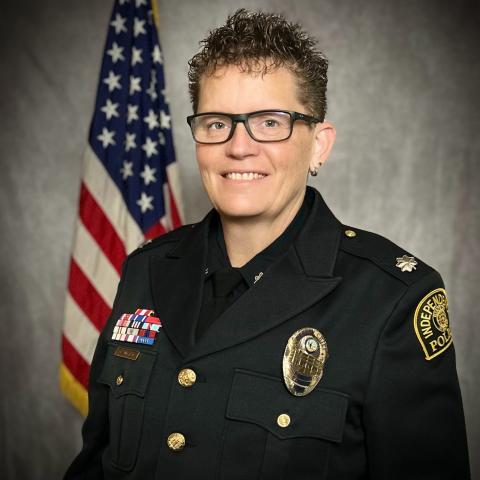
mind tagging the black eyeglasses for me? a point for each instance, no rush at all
(262, 126)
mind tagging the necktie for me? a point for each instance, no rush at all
(225, 282)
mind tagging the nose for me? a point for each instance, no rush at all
(241, 144)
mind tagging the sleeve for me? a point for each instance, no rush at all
(413, 417)
(95, 431)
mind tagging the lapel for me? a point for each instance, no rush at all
(296, 281)
(177, 285)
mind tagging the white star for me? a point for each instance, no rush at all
(152, 91)
(136, 56)
(135, 84)
(139, 3)
(164, 120)
(151, 120)
(106, 137)
(163, 91)
(127, 169)
(130, 141)
(110, 109)
(113, 81)
(116, 53)
(145, 202)
(132, 113)
(119, 24)
(148, 174)
(157, 55)
(161, 138)
(150, 147)
(153, 82)
(138, 27)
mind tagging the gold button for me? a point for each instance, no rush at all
(187, 377)
(176, 441)
(350, 233)
(283, 420)
(119, 380)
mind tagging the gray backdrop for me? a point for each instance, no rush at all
(404, 95)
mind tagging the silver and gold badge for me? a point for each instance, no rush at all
(303, 361)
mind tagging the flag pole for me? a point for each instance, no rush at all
(156, 13)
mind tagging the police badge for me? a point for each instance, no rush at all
(303, 361)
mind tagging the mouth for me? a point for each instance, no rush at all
(244, 176)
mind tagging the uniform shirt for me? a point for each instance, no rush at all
(224, 284)
(387, 406)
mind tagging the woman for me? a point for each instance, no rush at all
(283, 344)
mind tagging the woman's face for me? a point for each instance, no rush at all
(273, 175)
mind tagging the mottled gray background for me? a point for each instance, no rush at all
(404, 95)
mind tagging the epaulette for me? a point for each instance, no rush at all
(385, 254)
(170, 237)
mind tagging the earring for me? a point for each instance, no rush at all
(314, 171)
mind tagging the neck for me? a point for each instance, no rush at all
(246, 237)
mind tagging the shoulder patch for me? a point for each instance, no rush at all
(431, 323)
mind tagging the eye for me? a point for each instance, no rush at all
(271, 123)
(216, 125)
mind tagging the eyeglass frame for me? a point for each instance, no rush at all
(243, 118)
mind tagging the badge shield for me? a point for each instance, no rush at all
(303, 361)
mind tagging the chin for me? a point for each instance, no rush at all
(239, 209)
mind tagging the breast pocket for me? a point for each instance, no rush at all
(128, 381)
(273, 435)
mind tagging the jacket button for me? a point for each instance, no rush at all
(176, 441)
(350, 233)
(187, 377)
(119, 380)
(283, 420)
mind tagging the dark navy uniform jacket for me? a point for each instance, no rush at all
(382, 410)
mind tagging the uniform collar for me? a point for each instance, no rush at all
(316, 244)
(253, 270)
(305, 271)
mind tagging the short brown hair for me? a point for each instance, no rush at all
(257, 41)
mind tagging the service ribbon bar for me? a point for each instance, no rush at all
(139, 327)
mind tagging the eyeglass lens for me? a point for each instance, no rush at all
(263, 126)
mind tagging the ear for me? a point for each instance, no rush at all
(324, 138)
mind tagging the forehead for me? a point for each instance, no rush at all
(231, 89)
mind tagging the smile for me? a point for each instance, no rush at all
(244, 176)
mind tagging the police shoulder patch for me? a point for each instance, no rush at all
(431, 323)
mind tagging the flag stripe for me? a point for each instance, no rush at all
(130, 185)
(107, 195)
(87, 298)
(155, 230)
(95, 265)
(79, 330)
(74, 362)
(101, 229)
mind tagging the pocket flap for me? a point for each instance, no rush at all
(125, 376)
(260, 399)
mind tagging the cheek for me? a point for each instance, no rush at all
(293, 164)
(204, 161)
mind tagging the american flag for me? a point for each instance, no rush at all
(129, 190)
